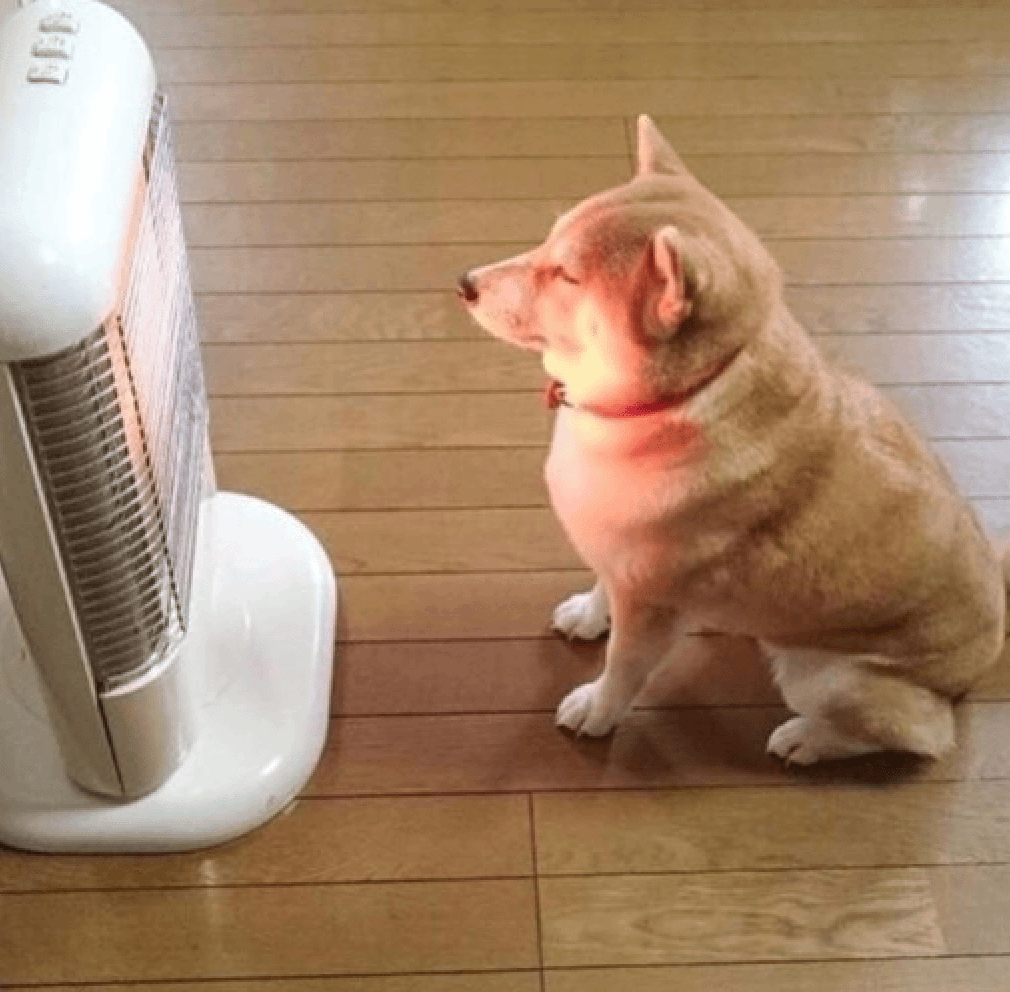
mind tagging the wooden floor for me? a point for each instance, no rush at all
(341, 162)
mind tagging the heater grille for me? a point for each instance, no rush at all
(118, 425)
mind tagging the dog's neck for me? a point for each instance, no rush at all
(555, 396)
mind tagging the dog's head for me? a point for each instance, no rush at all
(636, 290)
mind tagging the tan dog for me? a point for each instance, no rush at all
(717, 475)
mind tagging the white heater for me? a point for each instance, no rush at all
(165, 650)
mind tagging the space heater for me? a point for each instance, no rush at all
(165, 649)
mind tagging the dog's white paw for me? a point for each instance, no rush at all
(583, 617)
(789, 742)
(803, 741)
(581, 711)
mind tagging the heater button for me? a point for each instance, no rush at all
(53, 46)
(47, 72)
(62, 21)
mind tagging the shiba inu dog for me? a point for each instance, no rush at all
(718, 475)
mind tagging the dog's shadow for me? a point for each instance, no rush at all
(705, 720)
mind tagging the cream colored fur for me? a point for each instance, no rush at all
(782, 500)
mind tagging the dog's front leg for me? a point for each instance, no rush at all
(641, 639)
(584, 616)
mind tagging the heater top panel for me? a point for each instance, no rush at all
(76, 90)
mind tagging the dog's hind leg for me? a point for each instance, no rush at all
(641, 641)
(851, 706)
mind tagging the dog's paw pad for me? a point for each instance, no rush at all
(579, 711)
(581, 618)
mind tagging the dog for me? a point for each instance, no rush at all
(718, 476)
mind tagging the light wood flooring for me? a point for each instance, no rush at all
(341, 162)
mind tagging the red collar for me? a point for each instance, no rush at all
(554, 396)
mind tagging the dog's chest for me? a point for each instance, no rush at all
(613, 507)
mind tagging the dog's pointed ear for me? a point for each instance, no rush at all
(654, 152)
(673, 297)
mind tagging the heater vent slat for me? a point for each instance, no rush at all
(118, 425)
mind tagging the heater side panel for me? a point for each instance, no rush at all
(38, 588)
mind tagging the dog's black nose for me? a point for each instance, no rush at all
(466, 289)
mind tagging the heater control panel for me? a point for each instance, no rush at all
(53, 48)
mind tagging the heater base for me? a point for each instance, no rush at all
(259, 656)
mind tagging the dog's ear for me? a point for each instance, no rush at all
(673, 302)
(654, 152)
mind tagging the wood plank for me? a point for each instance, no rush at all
(738, 917)
(852, 174)
(693, 134)
(521, 752)
(400, 480)
(934, 215)
(435, 315)
(256, 932)
(921, 358)
(456, 541)
(994, 514)
(973, 411)
(343, 268)
(472, 478)
(350, 268)
(946, 309)
(487, 365)
(452, 607)
(892, 260)
(533, 674)
(316, 842)
(272, 318)
(401, 179)
(470, 221)
(297, 318)
(483, 982)
(825, 827)
(707, 746)
(413, 139)
(426, 63)
(556, 26)
(329, 423)
(973, 903)
(523, 177)
(838, 133)
(470, 541)
(468, 420)
(964, 974)
(371, 222)
(978, 467)
(189, 7)
(402, 367)
(578, 98)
